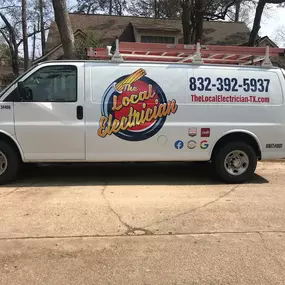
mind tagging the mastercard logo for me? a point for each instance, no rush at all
(134, 108)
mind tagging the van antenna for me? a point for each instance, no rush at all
(117, 56)
(267, 62)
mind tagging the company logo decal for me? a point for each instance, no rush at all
(204, 144)
(205, 132)
(134, 108)
(191, 144)
(192, 132)
(179, 144)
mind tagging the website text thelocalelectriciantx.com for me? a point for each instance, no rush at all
(229, 99)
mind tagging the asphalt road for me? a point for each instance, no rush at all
(142, 224)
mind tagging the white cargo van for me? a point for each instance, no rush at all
(109, 111)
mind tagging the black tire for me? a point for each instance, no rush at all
(13, 163)
(220, 155)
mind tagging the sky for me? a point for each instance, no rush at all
(273, 20)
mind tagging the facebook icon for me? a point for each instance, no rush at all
(179, 144)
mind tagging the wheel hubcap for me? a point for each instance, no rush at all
(3, 163)
(236, 162)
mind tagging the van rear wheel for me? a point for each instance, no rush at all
(9, 163)
(235, 162)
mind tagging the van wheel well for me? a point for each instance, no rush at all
(9, 141)
(238, 136)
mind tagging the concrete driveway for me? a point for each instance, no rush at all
(142, 224)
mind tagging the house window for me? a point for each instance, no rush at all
(157, 39)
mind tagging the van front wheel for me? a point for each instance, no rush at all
(235, 162)
(9, 163)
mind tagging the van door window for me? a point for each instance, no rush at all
(51, 84)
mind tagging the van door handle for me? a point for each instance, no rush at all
(79, 112)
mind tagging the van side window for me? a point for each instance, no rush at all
(51, 84)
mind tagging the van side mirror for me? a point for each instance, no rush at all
(25, 93)
(20, 87)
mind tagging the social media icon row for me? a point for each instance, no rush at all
(191, 144)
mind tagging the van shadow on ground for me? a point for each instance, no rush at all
(121, 174)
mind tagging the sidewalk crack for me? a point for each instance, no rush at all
(130, 230)
(197, 208)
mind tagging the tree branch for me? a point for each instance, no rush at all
(210, 16)
(274, 1)
(10, 30)
(8, 7)
(6, 38)
(31, 34)
(12, 44)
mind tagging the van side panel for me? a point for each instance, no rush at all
(158, 112)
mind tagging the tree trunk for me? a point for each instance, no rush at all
(186, 21)
(256, 23)
(43, 40)
(237, 10)
(15, 64)
(155, 9)
(64, 27)
(199, 20)
(111, 7)
(34, 43)
(25, 35)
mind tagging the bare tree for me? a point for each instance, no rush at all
(168, 9)
(25, 34)
(41, 15)
(110, 7)
(199, 19)
(34, 44)
(280, 35)
(257, 19)
(10, 38)
(186, 18)
(119, 6)
(41, 9)
(194, 12)
(17, 25)
(237, 12)
(64, 26)
(88, 7)
(241, 11)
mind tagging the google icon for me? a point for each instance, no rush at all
(204, 144)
